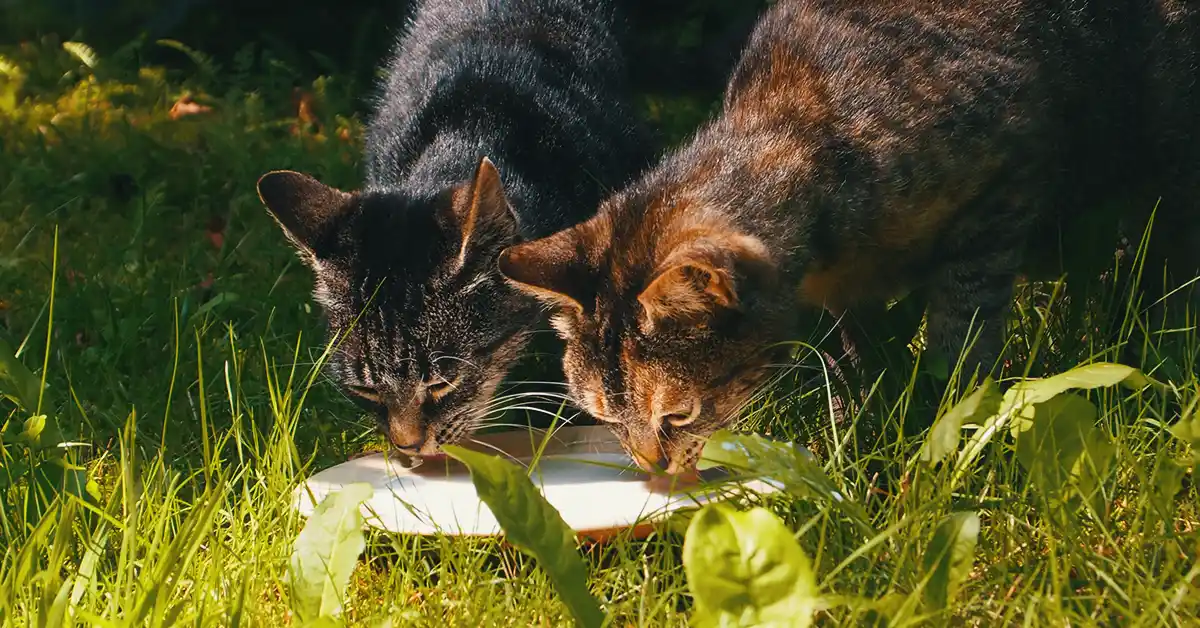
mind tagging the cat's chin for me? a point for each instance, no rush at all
(437, 465)
(674, 483)
(413, 461)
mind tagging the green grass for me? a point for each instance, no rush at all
(143, 283)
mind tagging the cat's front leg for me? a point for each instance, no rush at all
(968, 300)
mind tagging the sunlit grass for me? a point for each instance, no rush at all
(183, 350)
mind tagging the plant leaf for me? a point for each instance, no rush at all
(1033, 391)
(943, 437)
(16, 381)
(1086, 377)
(60, 475)
(745, 569)
(1188, 431)
(325, 553)
(1058, 442)
(949, 557)
(33, 428)
(83, 52)
(533, 526)
(1168, 481)
(789, 464)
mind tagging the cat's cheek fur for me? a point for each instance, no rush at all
(563, 325)
(469, 415)
(325, 284)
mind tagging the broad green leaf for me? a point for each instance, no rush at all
(83, 52)
(1058, 442)
(533, 526)
(325, 554)
(41, 433)
(1085, 377)
(1168, 480)
(54, 610)
(1046, 412)
(14, 471)
(789, 464)
(16, 382)
(745, 569)
(944, 436)
(949, 557)
(1188, 431)
(884, 610)
(1033, 391)
(58, 475)
(33, 429)
(217, 301)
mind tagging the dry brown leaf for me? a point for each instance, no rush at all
(305, 107)
(187, 106)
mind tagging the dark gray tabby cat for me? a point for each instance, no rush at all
(406, 268)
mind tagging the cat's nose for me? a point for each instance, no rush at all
(648, 455)
(406, 435)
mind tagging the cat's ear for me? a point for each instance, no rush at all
(482, 213)
(555, 269)
(702, 276)
(305, 208)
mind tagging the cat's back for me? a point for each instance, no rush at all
(538, 85)
(578, 33)
(449, 48)
(923, 124)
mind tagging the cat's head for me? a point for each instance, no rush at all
(424, 327)
(668, 331)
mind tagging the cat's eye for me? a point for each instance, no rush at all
(366, 392)
(439, 388)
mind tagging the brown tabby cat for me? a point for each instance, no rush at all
(867, 147)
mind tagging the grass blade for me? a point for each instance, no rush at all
(790, 464)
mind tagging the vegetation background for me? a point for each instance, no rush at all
(160, 389)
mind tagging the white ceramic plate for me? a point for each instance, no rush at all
(582, 471)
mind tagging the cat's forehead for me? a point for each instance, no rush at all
(425, 319)
(398, 348)
(397, 233)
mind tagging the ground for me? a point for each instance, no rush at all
(165, 332)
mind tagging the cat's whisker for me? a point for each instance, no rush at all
(454, 357)
(531, 394)
(548, 399)
(519, 426)
(542, 382)
(540, 332)
(567, 422)
(500, 412)
(520, 402)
